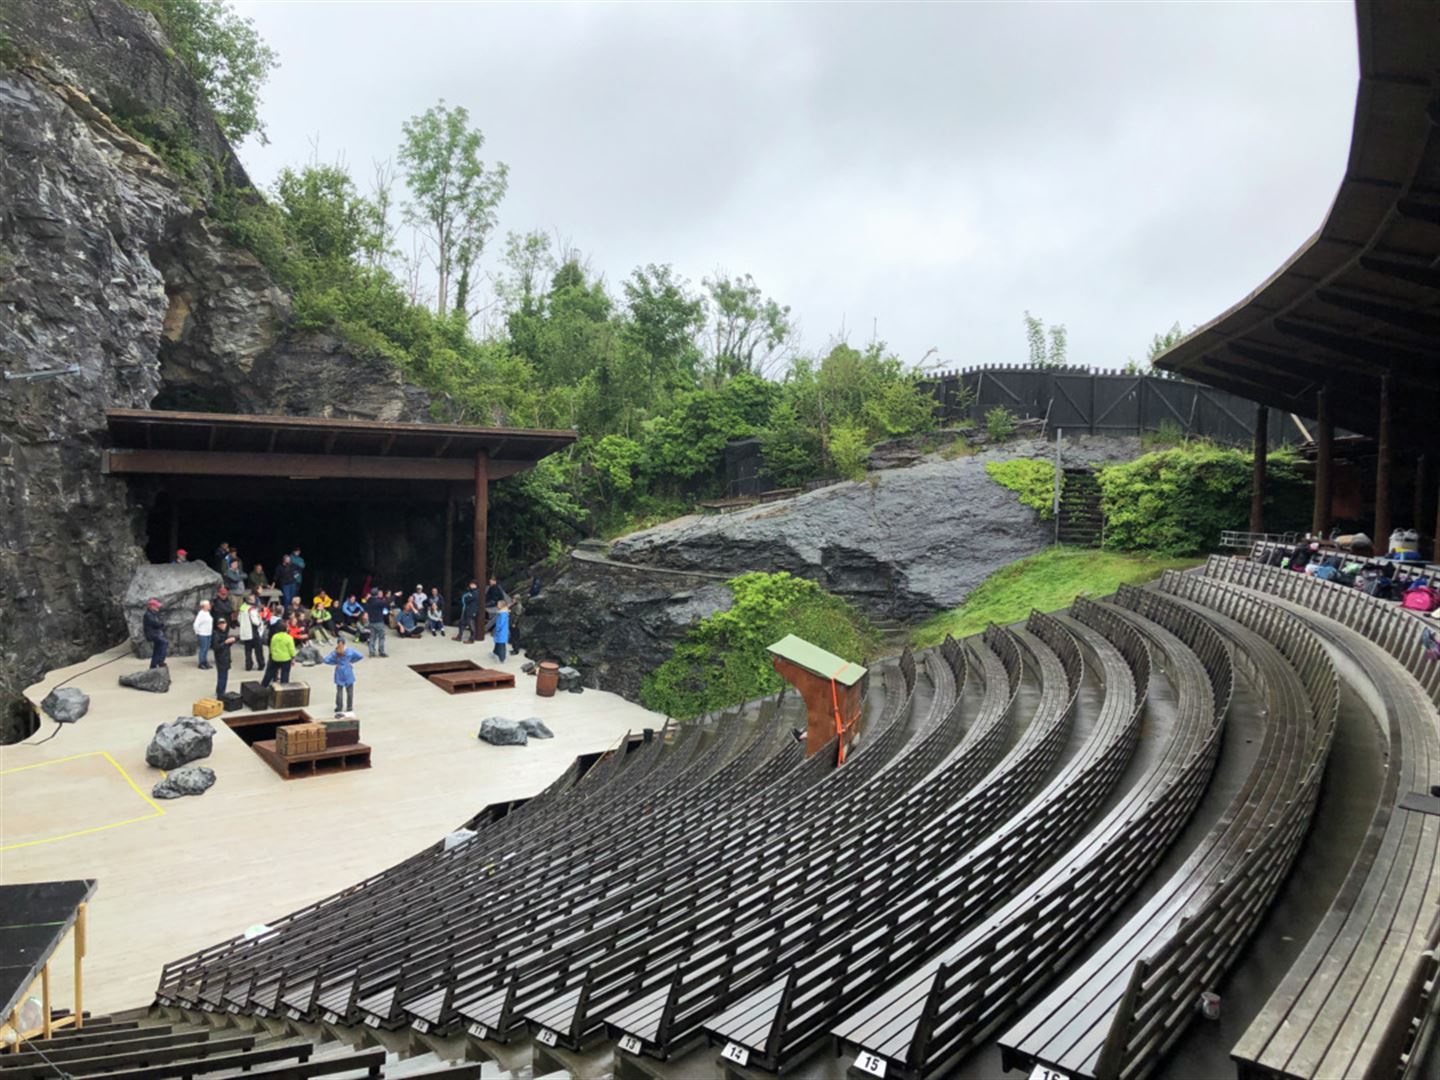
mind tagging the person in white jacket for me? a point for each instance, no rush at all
(249, 632)
(204, 627)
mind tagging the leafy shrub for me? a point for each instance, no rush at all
(723, 660)
(849, 450)
(1000, 423)
(225, 55)
(1177, 501)
(1168, 434)
(1032, 480)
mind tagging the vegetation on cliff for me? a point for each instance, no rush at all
(1048, 581)
(723, 659)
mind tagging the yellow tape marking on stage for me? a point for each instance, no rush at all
(157, 810)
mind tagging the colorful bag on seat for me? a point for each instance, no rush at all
(1422, 598)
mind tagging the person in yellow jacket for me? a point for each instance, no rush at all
(282, 653)
(321, 600)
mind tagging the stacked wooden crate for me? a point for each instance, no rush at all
(341, 732)
(294, 739)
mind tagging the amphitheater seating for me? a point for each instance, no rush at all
(1355, 995)
(709, 888)
(1127, 1004)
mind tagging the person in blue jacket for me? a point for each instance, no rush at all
(502, 630)
(343, 660)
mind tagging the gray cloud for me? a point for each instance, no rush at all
(928, 170)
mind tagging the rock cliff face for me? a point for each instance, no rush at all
(108, 261)
(616, 623)
(902, 543)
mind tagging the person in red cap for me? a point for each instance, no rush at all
(154, 628)
(180, 556)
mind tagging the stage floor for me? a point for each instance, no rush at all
(180, 875)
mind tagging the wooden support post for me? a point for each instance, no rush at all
(447, 583)
(45, 1029)
(78, 941)
(1382, 472)
(482, 513)
(1324, 463)
(1417, 509)
(1257, 479)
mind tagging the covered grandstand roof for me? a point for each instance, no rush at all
(1361, 298)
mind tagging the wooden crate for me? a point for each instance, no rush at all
(254, 695)
(295, 739)
(470, 682)
(341, 732)
(207, 708)
(291, 695)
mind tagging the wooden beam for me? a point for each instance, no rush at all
(1418, 321)
(1382, 471)
(1413, 272)
(1257, 476)
(290, 466)
(78, 942)
(444, 445)
(482, 514)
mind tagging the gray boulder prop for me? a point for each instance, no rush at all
(535, 728)
(191, 780)
(528, 668)
(155, 679)
(66, 704)
(308, 655)
(569, 679)
(498, 731)
(179, 742)
(179, 587)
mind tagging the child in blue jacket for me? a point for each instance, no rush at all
(344, 659)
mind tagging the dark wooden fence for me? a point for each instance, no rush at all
(1082, 401)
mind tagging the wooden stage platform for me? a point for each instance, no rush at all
(177, 876)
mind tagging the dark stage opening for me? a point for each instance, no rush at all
(346, 543)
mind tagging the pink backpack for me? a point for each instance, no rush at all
(1420, 598)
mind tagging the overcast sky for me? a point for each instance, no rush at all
(924, 172)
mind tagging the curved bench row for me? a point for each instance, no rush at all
(1352, 1003)
(940, 1013)
(1127, 1005)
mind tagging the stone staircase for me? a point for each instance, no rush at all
(1081, 519)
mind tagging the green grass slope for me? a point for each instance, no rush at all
(1048, 581)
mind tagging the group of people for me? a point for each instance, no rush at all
(271, 623)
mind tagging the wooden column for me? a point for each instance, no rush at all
(78, 941)
(1417, 508)
(1257, 478)
(447, 583)
(1382, 471)
(1324, 463)
(482, 512)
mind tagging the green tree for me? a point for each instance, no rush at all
(749, 330)
(687, 442)
(225, 54)
(664, 320)
(1158, 344)
(1047, 348)
(454, 195)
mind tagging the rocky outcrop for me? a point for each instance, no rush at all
(155, 680)
(179, 587)
(109, 261)
(65, 704)
(191, 780)
(179, 742)
(616, 622)
(901, 543)
(502, 731)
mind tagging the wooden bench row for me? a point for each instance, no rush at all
(957, 998)
(1127, 1005)
(1353, 1002)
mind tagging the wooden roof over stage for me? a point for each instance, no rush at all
(147, 442)
(1361, 298)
